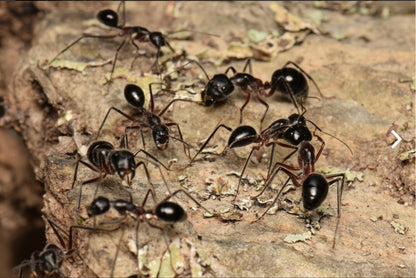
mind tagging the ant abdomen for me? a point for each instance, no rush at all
(242, 136)
(294, 78)
(98, 152)
(99, 206)
(108, 18)
(134, 95)
(314, 191)
(170, 212)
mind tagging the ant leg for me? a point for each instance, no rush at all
(79, 39)
(141, 133)
(244, 105)
(190, 197)
(338, 178)
(80, 194)
(320, 149)
(185, 145)
(123, 20)
(170, 103)
(113, 265)
(231, 68)
(265, 111)
(292, 177)
(208, 139)
(158, 162)
(307, 75)
(291, 94)
(248, 64)
(274, 201)
(152, 106)
(149, 180)
(115, 59)
(272, 155)
(244, 169)
(106, 116)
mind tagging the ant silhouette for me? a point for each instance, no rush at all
(47, 263)
(314, 185)
(132, 34)
(165, 210)
(134, 95)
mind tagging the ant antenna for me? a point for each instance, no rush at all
(320, 130)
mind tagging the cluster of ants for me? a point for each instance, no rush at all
(103, 158)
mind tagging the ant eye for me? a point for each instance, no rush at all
(108, 17)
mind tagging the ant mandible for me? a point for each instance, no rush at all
(132, 33)
(315, 186)
(165, 210)
(134, 95)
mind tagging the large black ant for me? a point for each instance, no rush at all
(315, 186)
(110, 18)
(288, 80)
(165, 210)
(47, 263)
(293, 130)
(134, 95)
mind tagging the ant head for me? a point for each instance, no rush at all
(314, 191)
(294, 78)
(51, 259)
(98, 152)
(99, 206)
(134, 95)
(157, 39)
(161, 136)
(108, 17)
(242, 136)
(170, 212)
(123, 162)
(296, 119)
(296, 134)
(217, 89)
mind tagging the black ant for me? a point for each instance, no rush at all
(132, 33)
(315, 186)
(293, 130)
(165, 210)
(47, 263)
(134, 95)
(290, 81)
(107, 160)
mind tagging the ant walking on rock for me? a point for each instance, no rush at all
(133, 34)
